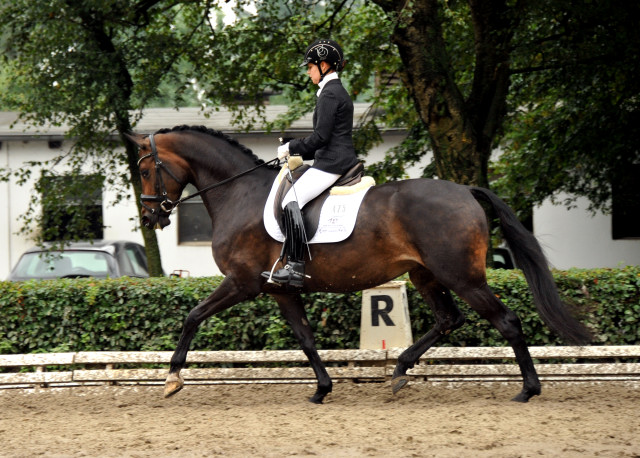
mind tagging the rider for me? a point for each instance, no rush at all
(330, 146)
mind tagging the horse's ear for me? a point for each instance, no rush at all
(134, 138)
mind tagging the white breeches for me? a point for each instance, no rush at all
(309, 186)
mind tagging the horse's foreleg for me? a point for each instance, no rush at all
(225, 296)
(448, 318)
(292, 309)
(506, 321)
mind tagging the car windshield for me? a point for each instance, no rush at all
(66, 264)
(138, 262)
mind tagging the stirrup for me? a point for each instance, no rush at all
(269, 275)
(291, 275)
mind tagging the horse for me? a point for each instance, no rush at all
(434, 230)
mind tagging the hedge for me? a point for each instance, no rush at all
(147, 314)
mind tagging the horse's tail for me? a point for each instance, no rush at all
(531, 260)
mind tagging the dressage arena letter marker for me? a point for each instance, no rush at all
(385, 317)
(377, 313)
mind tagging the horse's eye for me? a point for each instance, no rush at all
(144, 173)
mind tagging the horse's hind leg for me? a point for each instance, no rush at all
(447, 316)
(484, 301)
(292, 308)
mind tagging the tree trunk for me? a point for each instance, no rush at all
(149, 235)
(121, 105)
(154, 262)
(461, 130)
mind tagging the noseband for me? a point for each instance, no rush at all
(166, 205)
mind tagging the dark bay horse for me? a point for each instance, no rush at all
(433, 229)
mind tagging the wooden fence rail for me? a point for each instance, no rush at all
(444, 364)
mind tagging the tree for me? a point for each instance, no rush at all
(255, 61)
(468, 70)
(89, 65)
(456, 78)
(575, 113)
(471, 72)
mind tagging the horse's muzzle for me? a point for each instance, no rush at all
(155, 220)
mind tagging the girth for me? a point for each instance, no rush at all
(311, 211)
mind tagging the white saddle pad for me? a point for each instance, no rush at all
(337, 217)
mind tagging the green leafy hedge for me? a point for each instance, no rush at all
(135, 314)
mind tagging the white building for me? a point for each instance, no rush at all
(576, 238)
(571, 238)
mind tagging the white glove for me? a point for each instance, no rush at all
(283, 151)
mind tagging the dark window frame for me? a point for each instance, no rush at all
(194, 223)
(625, 205)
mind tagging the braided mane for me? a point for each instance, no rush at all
(217, 134)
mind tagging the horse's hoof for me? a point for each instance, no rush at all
(173, 384)
(317, 398)
(524, 396)
(521, 397)
(399, 383)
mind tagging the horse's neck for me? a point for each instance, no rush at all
(212, 169)
(245, 192)
(241, 178)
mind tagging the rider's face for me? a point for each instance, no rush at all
(314, 72)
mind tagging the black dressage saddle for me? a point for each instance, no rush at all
(311, 211)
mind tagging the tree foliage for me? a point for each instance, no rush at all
(546, 80)
(575, 113)
(89, 65)
(428, 45)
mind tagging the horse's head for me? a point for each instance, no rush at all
(163, 173)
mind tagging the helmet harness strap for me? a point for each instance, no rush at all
(322, 74)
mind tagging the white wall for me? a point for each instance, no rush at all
(5, 215)
(575, 238)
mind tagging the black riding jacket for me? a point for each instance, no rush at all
(331, 144)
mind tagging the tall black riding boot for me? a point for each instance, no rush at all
(293, 272)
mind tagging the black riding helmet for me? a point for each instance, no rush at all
(324, 50)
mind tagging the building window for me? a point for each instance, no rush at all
(71, 207)
(625, 205)
(194, 223)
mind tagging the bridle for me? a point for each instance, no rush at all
(167, 205)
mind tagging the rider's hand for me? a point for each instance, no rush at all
(283, 151)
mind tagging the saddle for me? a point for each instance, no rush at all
(311, 211)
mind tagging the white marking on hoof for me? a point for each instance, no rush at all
(173, 384)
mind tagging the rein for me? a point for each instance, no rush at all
(167, 205)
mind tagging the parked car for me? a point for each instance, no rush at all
(97, 258)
